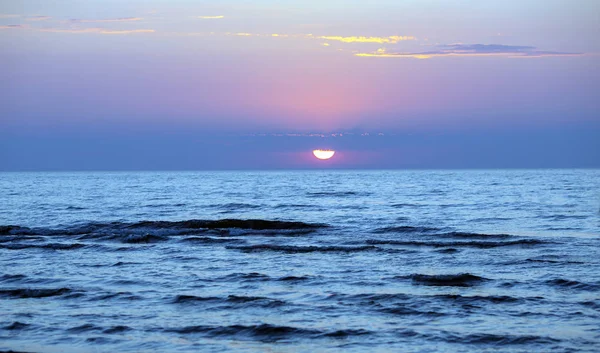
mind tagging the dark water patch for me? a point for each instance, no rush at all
(457, 244)
(186, 299)
(157, 228)
(211, 240)
(118, 295)
(407, 205)
(467, 235)
(246, 277)
(346, 333)
(100, 340)
(565, 283)
(295, 206)
(255, 224)
(562, 217)
(234, 207)
(34, 293)
(129, 282)
(407, 311)
(84, 328)
(75, 208)
(289, 249)
(591, 304)
(262, 332)
(15, 230)
(458, 280)
(16, 326)
(117, 329)
(12, 278)
(51, 246)
(294, 278)
(232, 299)
(448, 251)
(490, 219)
(482, 299)
(277, 233)
(255, 301)
(124, 263)
(405, 229)
(146, 238)
(336, 194)
(551, 261)
(494, 339)
(370, 298)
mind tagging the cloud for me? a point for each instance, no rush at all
(97, 30)
(210, 17)
(472, 50)
(38, 18)
(8, 16)
(362, 39)
(122, 19)
(14, 27)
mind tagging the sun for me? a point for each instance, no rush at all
(323, 154)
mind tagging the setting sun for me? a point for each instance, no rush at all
(323, 154)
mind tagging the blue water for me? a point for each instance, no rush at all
(300, 261)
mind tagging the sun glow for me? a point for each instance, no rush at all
(323, 154)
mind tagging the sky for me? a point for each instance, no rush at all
(232, 84)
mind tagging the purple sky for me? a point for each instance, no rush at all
(107, 84)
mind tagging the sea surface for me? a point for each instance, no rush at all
(300, 261)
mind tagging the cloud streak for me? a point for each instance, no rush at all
(37, 18)
(97, 31)
(14, 27)
(472, 50)
(122, 19)
(210, 17)
(362, 39)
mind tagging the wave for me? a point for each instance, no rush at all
(336, 193)
(494, 299)
(500, 340)
(294, 278)
(211, 240)
(16, 326)
(302, 249)
(232, 299)
(34, 293)
(118, 295)
(117, 329)
(54, 246)
(565, 283)
(12, 278)
(245, 277)
(470, 244)
(84, 328)
(266, 332)
(107, 228)
(458, 280)
(405, 229)
(262, 330)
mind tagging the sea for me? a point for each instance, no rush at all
(300, 261)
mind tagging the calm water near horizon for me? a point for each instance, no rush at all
(377, 261)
